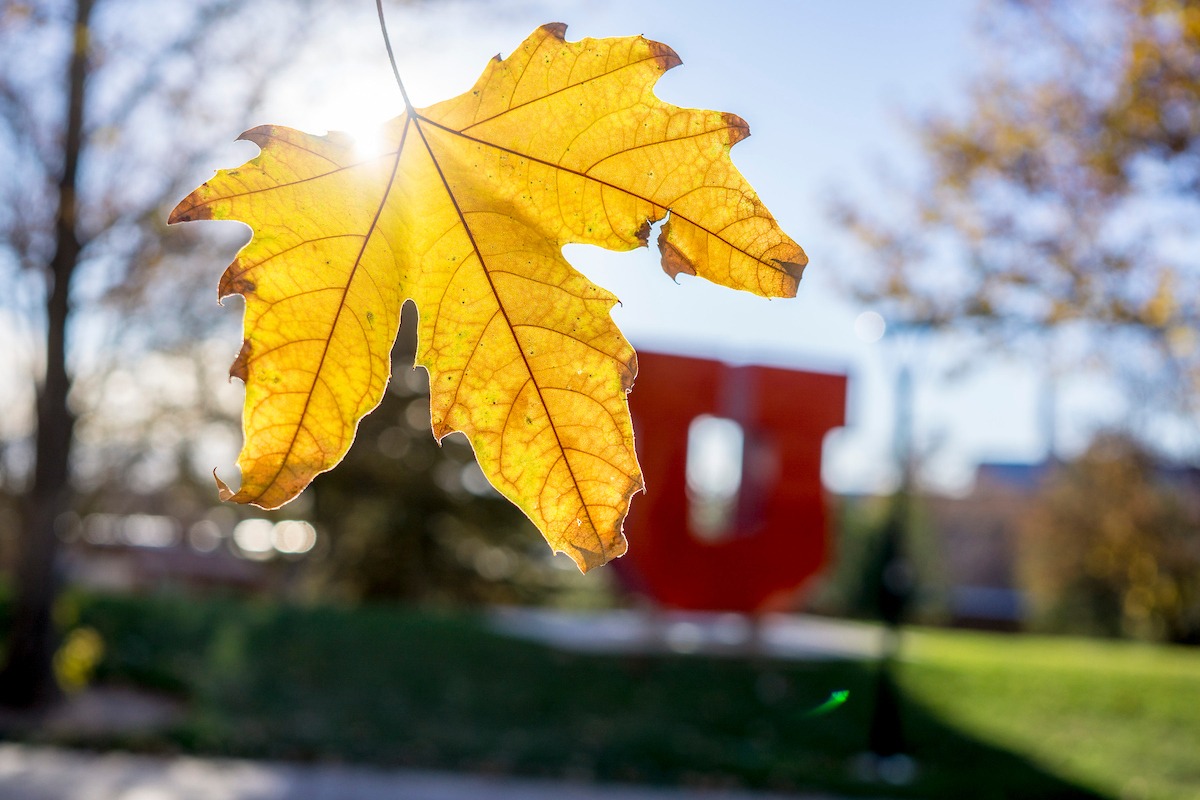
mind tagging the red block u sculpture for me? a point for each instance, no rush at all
(772, 537)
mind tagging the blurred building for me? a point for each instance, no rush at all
(977, 538)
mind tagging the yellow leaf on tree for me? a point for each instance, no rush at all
(466, 213)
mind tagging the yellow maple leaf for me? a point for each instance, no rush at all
(466, 214)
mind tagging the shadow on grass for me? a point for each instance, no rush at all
(403, 688)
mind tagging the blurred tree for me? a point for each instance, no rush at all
(106, 110)
(410, 520)
(1065, 197)
(850, 585)
(1109, 547)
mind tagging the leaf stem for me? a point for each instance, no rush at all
(387, 42)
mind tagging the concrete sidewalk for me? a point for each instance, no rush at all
(44, 773)
(785, 636)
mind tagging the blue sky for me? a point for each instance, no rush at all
(824, 86)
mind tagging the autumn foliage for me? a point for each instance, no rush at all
(465, 214)
(1108, 546)
(1062, 196)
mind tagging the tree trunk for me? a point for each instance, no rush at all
(27, 678)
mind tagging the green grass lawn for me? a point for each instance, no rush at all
(1122, 719)
(985, 716)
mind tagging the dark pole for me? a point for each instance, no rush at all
(894, 582)
(27, 679)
